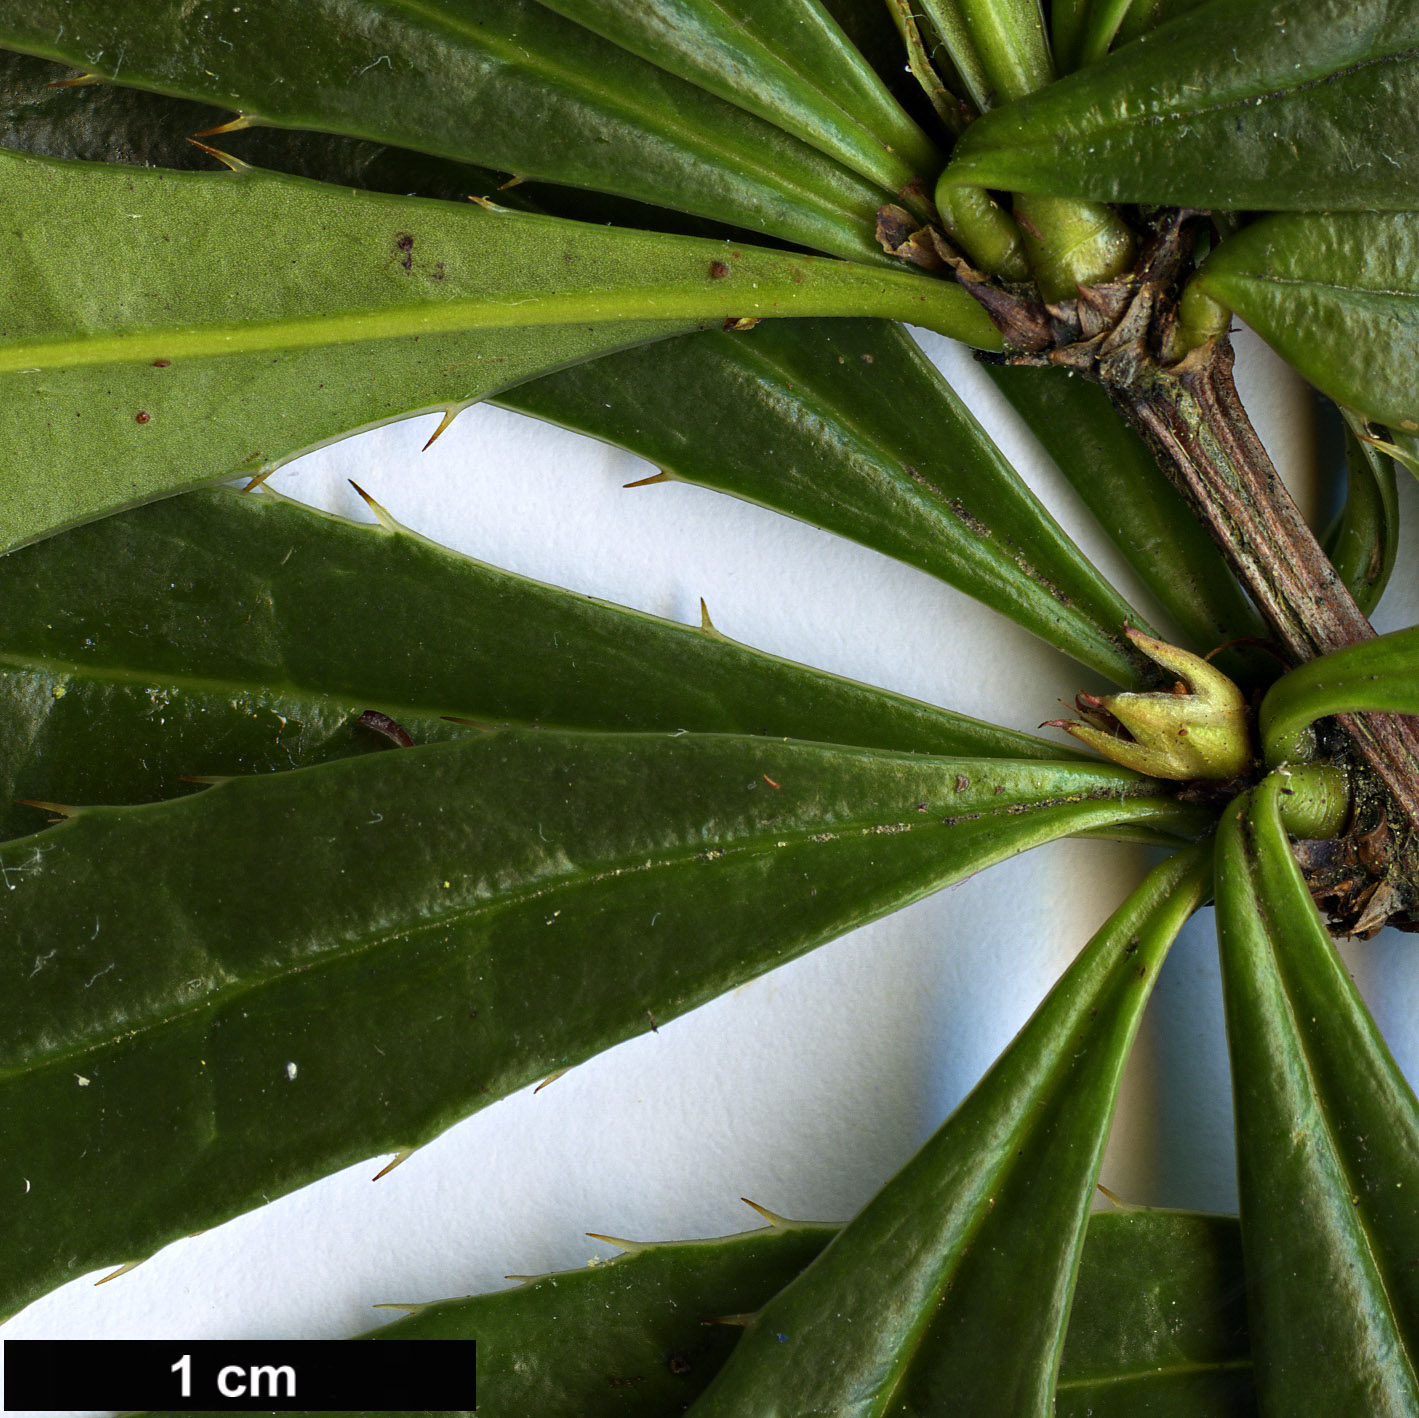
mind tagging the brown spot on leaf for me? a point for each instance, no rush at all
(404, 243)
(142, 416)
(718, 270)
(161, 363)
(678, 1364)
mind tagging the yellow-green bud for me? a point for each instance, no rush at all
(1197, 729)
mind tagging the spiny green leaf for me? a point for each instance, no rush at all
(301, 312)
(205, 1003)
(951, 1289)
(1282, 105)
(1158, 1324)
(1380, 674)
(98, 122)
(784, 60)
(506, 84)
(847, 425)
(219, 633)
(1336, 296)
(1327, 1142)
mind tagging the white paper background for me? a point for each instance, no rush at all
(807, 1089)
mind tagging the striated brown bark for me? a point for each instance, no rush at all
(1123, 334)
(1195, 423)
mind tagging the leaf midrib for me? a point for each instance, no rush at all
(457, 916)
(1159, 1371)
(448, 316)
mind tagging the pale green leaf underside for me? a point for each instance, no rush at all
(247, 317)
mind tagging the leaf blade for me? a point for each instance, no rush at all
(379, 307)
(788, 63)
(1323, 1207)
(219, 634)
(1254, 105)
(628, 1317)
(847, 426)
(537, 96)
(1376, 674)
(166, 1080)
(937, 1263)
(1335, 296)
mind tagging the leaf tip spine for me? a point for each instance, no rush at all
(60, 810)
(114, 1274)
(382, 515)
(232, 125)
(403, 1155)
(779, 1223)
(234, 163)
(620, 1242)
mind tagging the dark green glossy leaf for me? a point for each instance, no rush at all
(848, 426)
(1085, 30)
(134, 367)
(1327, 1144)
(205, 1003)
(623, 1338)
(1158, 1322)
(1111, 469)
(108, 123)
(220, 633)
(1282, 105)
(1380, 674)
(506, 84)
(1336, 296)
(872, 31)
(1158, 1326)
(1146, 15)
(951, 1289)
(786, 61)
(1363, 544)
